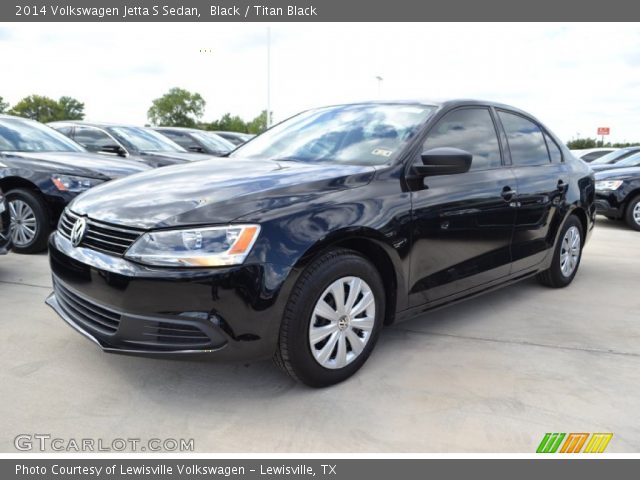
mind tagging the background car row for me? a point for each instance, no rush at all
(42, 168)
(617, 182)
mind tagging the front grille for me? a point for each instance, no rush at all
(85, 312)
(175, 334)
(100, 236)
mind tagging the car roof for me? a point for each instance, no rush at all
(182, 129)
(93, 124)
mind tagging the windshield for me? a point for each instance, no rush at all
(144, 140)
(368, 134)
(214, 142)
(22, 135)
(614, 156)
(632, 161)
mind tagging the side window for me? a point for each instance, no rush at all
(182, 139)
(470, 129)
(526, 142)
(554, 151)
(64, 130)
(92, 138)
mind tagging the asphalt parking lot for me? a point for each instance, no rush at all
(492, 374)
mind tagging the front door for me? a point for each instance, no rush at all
(462, 223)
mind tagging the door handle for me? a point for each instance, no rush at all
(562, 187)
(508, 193)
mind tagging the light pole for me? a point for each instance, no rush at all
(268, 77)
(379, 79)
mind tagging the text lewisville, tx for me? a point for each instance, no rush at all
(129, 12)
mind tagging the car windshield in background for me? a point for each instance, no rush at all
(28, 136)
(144, 140)
(632, 161)
(615, 156)
(213, 142)
(351, 134)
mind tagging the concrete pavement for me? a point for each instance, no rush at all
(492, 374)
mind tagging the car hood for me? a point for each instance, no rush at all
(73, 163)
(213, 191)
(621, 173)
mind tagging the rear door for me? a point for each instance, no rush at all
(542, 178)
(463, 223)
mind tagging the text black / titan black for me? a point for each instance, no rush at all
(309, 238)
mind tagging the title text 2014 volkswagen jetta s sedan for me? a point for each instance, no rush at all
(320, 231)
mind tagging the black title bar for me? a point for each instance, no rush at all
(314, 10)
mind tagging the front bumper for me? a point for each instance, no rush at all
(129, 308)
(609, 203)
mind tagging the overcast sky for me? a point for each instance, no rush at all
(574, 77)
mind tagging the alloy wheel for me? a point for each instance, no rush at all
(341, 323)
(24, 225)
(636, 213)
(570, 251)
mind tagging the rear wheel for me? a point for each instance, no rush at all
(566, 257)
(633, 213)
(332, 319)
(29, 221)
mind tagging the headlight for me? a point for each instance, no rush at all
(70, 183)
(195, 247)
(608, 184)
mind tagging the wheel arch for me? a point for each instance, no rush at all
(627, 201)
(370, 244)
(13, 182)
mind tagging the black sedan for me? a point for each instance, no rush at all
(320, 231)
(127, 141)
(5, 225)
(199, 141)
(41, 170)
(614, 157)
(630, 161)
(618, 195)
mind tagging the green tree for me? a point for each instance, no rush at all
(232, 123)
(582, 143)
(4, 106)
(177, 108)
(37, 107)
(45, 109)
(71, 109)
(258, 124)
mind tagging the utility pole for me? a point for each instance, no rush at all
(379, 79)
(268, 77)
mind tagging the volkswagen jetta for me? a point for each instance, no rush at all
(320, 231)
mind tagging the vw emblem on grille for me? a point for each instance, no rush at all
(78, 231)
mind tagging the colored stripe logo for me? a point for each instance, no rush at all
(574, 442)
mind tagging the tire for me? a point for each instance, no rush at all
(557, 276)
(33, 212)
(306, 360)
(632, 215)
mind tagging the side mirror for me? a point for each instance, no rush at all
(444, 161)
(113, 150)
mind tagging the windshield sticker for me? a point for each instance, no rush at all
(382, 152)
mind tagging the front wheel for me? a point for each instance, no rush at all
(566, 256)
(332, 319)
(633, 213)
(29, 221)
